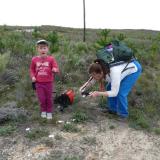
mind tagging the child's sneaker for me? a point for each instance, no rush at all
(43, 114)
(49, 115)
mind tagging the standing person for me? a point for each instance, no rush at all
(120, 78)
(42, 70)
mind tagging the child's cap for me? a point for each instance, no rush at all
(42, 41)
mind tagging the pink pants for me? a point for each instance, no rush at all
(44, 94)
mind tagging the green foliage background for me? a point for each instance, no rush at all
(17, 46)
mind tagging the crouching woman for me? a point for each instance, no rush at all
(121, 78)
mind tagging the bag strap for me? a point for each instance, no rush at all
(125, 68)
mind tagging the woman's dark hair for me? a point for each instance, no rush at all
(99, 66)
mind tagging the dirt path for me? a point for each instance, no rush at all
(100, 138)
(105, 140)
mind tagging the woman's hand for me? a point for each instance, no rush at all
(97, 93)
(94, 94)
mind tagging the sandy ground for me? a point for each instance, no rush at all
(105, 139)
(101, 138)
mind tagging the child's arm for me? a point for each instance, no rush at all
(55, 67)
(33, 70)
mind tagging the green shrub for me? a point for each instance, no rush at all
(53, 39)
(2, 46)
(104, 38)
(9, 77)
(36, 32)
(121, 37)
(15, 43)
(4, 59)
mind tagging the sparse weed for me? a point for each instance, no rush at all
(58, 137)
(48, 142)
(70, 128)
(37, 134)
(111, 127)
(80, 117)
(7, 130)
(71, 158)
(157, 131)
(89, 140)
(138, 119)
(59, 155)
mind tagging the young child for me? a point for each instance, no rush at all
(42, 70)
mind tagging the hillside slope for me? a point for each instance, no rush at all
(82, 132)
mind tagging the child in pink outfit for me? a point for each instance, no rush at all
(42, 71)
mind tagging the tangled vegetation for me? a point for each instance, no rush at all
(17, 46)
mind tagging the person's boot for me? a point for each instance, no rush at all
(122, 119)
(106, 110)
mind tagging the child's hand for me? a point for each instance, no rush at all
(55, 70)
(33, 79)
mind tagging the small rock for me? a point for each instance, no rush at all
(27, 129)
(60, 121)
(51, 136)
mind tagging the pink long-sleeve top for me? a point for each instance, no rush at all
(42, 68)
